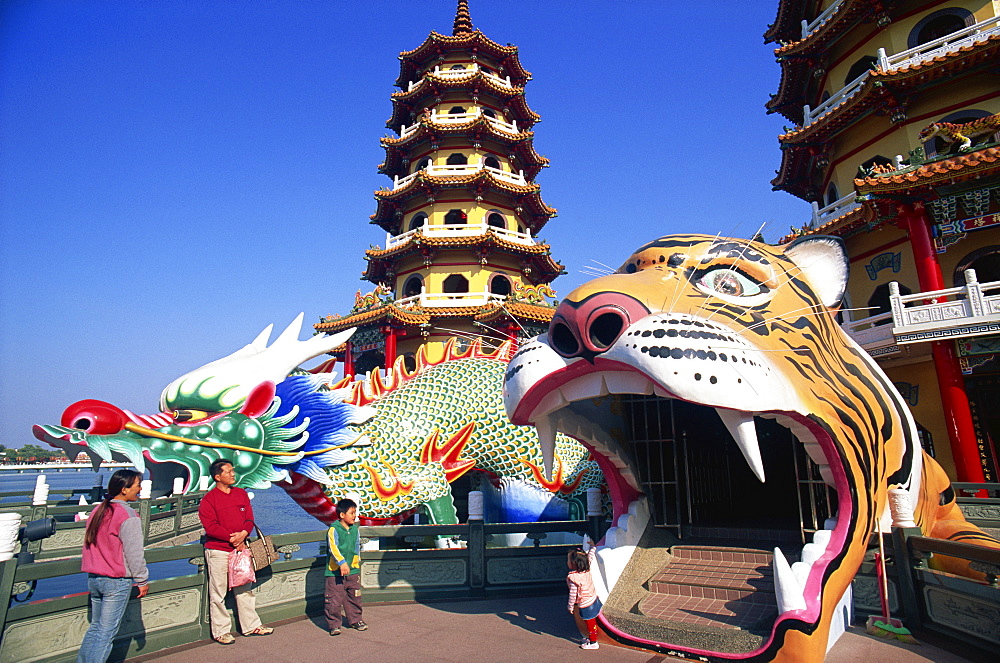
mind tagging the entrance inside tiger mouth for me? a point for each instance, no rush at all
(699, 485)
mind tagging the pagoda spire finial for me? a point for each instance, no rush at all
(463, 21)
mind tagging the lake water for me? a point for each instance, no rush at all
(274, 511)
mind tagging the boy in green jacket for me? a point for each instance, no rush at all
(343, 570)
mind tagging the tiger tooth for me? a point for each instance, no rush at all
(547, 440)
(743, 430)
(787, 590)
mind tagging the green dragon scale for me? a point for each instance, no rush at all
(394, 443)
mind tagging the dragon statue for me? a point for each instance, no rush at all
(963, 133)
(747, 331)
(397, 442)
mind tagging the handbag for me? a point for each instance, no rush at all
(262, 550)
(240, 568)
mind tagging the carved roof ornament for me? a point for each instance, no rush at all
(463, 20)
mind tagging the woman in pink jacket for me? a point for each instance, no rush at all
(113, 559)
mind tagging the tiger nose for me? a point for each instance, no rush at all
(591, 326)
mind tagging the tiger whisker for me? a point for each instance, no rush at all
(611, 270)
(677, 291)
(739, 258)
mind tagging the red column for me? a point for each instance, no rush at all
(954, 400)
(349, 359)
(390, 345)
(512, 337)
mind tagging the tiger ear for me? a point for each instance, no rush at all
(823, 261)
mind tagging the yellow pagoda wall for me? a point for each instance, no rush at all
(927, 412)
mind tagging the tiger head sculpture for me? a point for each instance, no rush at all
(749, 330)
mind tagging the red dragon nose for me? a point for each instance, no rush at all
(589, 327)
(94, 417)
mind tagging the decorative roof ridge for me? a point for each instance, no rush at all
(454, 40)
(856, 215)
(944, 167)
(786, 14)
(455, 81)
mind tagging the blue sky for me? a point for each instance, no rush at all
(176, 175)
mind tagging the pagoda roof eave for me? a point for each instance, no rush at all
(417, 316)
(833, 27)
(436, 43)
(787, 22)
(425, 127)
(950, 170)
(897, 81)
(517, 103)
(864, 216)
(491, 239)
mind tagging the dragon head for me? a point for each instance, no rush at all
(230, 408)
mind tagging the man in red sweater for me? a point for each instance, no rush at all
(227, 517)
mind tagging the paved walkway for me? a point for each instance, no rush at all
(536, 629)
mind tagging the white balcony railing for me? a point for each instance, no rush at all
(946, 44)
(963, 312)
(445, 119)
(455, 230)
(450, 299)
(922, 53)
(872, 333)
(836, 209)
(970, 310)
(467, 72)
(462, 169)
(809, 26)
(810, 115)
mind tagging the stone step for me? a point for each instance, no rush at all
(722, 554)
(719, 613)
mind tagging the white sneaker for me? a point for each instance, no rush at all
(590, 645)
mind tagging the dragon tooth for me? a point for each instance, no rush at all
(743, 430)
(787, 589)
(547, 441)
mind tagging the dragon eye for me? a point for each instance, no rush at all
(729, 283)
(181, 416)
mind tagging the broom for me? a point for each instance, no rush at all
(886, 627)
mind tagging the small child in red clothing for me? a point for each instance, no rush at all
(582, 595)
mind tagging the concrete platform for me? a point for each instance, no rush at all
(529, 629)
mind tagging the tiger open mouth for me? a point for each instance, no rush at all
(554, 393)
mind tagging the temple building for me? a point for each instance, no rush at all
(896, 109)
(462, 211)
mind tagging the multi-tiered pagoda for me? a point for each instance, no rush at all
(462, 212)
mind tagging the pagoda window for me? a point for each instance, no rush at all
(423, 163)
(413, 286)
(456, 67)
(492, 162)
(878, 303)
(417, 221)
(861, 67)
(938, 24)
(500, 285)
(832, 194)
(456, 283)
(455, 217)
(456, 110)
(457, 159)
(939, 145)
(496, 220)
(986, 262)
(489, 112)
(865, 169)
